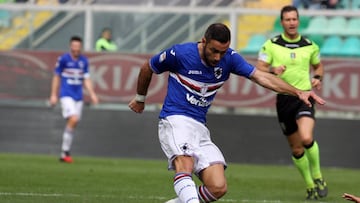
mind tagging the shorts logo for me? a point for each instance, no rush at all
(185, 147)
(218, 72)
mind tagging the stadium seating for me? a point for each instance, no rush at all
(318, 39)
(331, 46)
(350, 47)
(277, 28)
(5, 19)
(254, 44)
(317, 25)
(344, 4)
(355, 4)
(336, 26)
(353, 26)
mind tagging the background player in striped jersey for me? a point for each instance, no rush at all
(290, 56)
(71, 74)
(197, 71)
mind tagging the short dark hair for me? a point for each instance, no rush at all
(106, 29)
(76, 38)
(218, 32)
(288, 8)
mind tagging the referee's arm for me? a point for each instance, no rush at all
(316, 81)
(263, 66)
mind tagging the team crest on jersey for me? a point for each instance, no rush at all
(81, 65)
(218, 72)
(292, 55)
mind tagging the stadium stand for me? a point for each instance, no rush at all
(317, 25)
(254, 44)
(318, 39)
(355, 4)
(249, 25)
(353, 26)
(335, 26)
(331, 46)
(23, 23)
(350, 47)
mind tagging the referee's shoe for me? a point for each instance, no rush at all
(321, 187)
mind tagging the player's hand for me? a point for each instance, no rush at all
(279, 70)
(137, 107)
(94, 99)
(305, 95)
(53, 100)
(351, 197)
(316, 83)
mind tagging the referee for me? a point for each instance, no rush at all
(290, 56)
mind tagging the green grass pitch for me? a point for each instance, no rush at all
(41, 178)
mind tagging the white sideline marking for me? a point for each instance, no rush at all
(30, 194)
(36, 194)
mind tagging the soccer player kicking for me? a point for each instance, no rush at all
(196, 72)
(290, 56)
(71, 74)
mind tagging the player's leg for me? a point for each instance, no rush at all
(178, 136)
(306, 126)
(210, 168)
(71, 113)
(184, 185)
(287, 109)
(215, 185)
(300, 159)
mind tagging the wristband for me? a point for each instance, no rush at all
(318, 77)
(140, 98)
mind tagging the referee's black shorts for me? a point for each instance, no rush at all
(289, 109)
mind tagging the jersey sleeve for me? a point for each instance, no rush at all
(265, 53)
(164, 61)
(241, 66)
(315, 56)
(86, 68)
(59, 67)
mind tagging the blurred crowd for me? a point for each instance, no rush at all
(316, 4)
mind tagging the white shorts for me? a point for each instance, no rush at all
(70, 107)
(181, 135)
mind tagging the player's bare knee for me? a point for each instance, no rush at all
(297, 150)
(307, 141)
(218, 189)
(73, 121)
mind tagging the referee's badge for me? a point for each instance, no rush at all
(292, 55)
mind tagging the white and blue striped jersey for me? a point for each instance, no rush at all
(72, 73)
(192, 85)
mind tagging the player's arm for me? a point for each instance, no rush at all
(316, 81)
(263, 66)
(138, 103)
(90, 89)
(55, 83)
(352, 198)
(274, 83)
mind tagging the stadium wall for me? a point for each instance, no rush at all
(121, 133)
